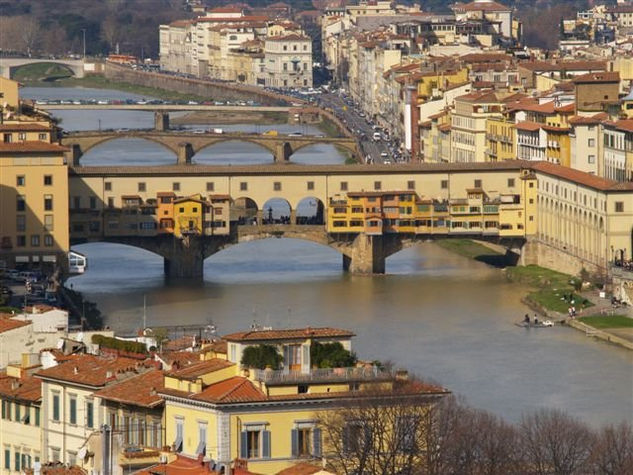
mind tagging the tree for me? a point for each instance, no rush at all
(261, 356)
(379, 431)
(612, 452)
(553, 442)
(110, 32)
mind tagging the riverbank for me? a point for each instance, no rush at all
(97, 81)
(224, 117)
(474, 250)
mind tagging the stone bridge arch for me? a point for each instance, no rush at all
(202, 144)
(8, 66)
(293, 146)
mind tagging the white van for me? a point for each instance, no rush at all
(376, 137)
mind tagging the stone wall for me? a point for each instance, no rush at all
(542, 254)
(212, 90)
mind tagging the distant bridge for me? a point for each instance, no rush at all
(186, 144)
(165, 107)
(9, 65)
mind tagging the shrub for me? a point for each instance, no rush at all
(121, 345)
(331, 355)
(261, 356)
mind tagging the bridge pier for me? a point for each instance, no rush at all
(74, 154)
(367, 255)
(185, 259)
(185, 153)
(161, 121)
(282, 153)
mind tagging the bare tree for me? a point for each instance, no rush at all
(110, 32)
(553, 442)
(29, 32)
(612, 452)
(379, 432)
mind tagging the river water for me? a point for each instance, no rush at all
(441, 316)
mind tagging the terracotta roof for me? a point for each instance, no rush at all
(23, 389)
(138, 391)
(182, 358)
(301, 468)
(625, 125)
(290, 334)
(89, 370)
(544, 108)
(32, 146)
(592, 120)
(25, 126)
(58, 468)
(597, 77)
(292, 37)
(485, 57)
(8, 324)
(242, 19)
(444, 127)
(564, 65)
(180, 466)
(582, 178)
(484, 6)
(529, 126)
(226, 10)
(196, 370)
(232, 390)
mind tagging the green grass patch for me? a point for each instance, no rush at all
(329, 128)
(473, 250)
(552, 299)
(608, 321)
(537, 276)
(41, 72)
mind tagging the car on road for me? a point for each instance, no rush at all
(376, 137)
(295, 134)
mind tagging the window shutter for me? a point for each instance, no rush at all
(294, 436)
(244, 445)
(266, 444)
(316, 442)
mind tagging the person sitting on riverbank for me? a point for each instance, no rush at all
(526, 319)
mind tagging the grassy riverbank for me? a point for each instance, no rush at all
(553, 290)
(608, 321)
(474, 250)
(97, 81)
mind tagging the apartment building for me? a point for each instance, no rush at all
(288, 61)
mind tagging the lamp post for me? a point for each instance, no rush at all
(83, 30)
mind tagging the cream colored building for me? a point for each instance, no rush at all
(288, 61)
(9, 94)
(33, 203)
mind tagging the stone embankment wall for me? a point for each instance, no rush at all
(542, 254)
(212, 90)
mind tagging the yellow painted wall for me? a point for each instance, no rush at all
(9, 92)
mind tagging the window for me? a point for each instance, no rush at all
(18, 410)
(77, 202)
(179, 434)
(37, 416)
(510, 182)
(210, 186)
(110, 202)
(48, 180)
(48, 202)
(277, 186)
(410, 185)
(343, 186)
(56, 408)
(444, 184)
(377, 185)
(355, 436)
(477, 183)
(55, 455)
(591, 142)
(243, 186)
(306, 441)
(141, 186)
(7, 459)
(35, 240)
(93, 202)
(20, 223)
(72, 409)
(90, 414)
(20, 241)
(310, 185)
(20, 180)
(202, 439)
(619, 206)
(20, 203)
(107, 186)
(17, 459)
(255, 443)
(591, 159)
(175, 186)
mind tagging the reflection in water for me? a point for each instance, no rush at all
(441, 316)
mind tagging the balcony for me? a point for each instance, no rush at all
(321, 375)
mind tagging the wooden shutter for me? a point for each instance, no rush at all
(266, 444)
(244, 444)
(294, 437)
(316, 442)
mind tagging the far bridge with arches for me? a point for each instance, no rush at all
(186, 144)
(9, 65)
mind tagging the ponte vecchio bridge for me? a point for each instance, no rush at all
(185, 144)
(366, 213)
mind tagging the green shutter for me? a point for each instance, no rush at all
(7, 459)
(316, 442)
(244, 444)
(266, 444)
(294, 442)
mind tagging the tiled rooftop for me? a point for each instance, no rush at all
(33, 146)
(23, 389)
(90, 370)
(8, 324)
(138, 390)
(290, 334)
(196, 370)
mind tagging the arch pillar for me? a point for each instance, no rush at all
(74, 154)
(184, 259)
(185, 153)
(366, 256)
(282, 152)
(161, 121)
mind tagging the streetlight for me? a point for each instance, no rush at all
(84, 34)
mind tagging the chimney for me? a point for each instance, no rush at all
(152, 391)
(108, 374)
(76, 370)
